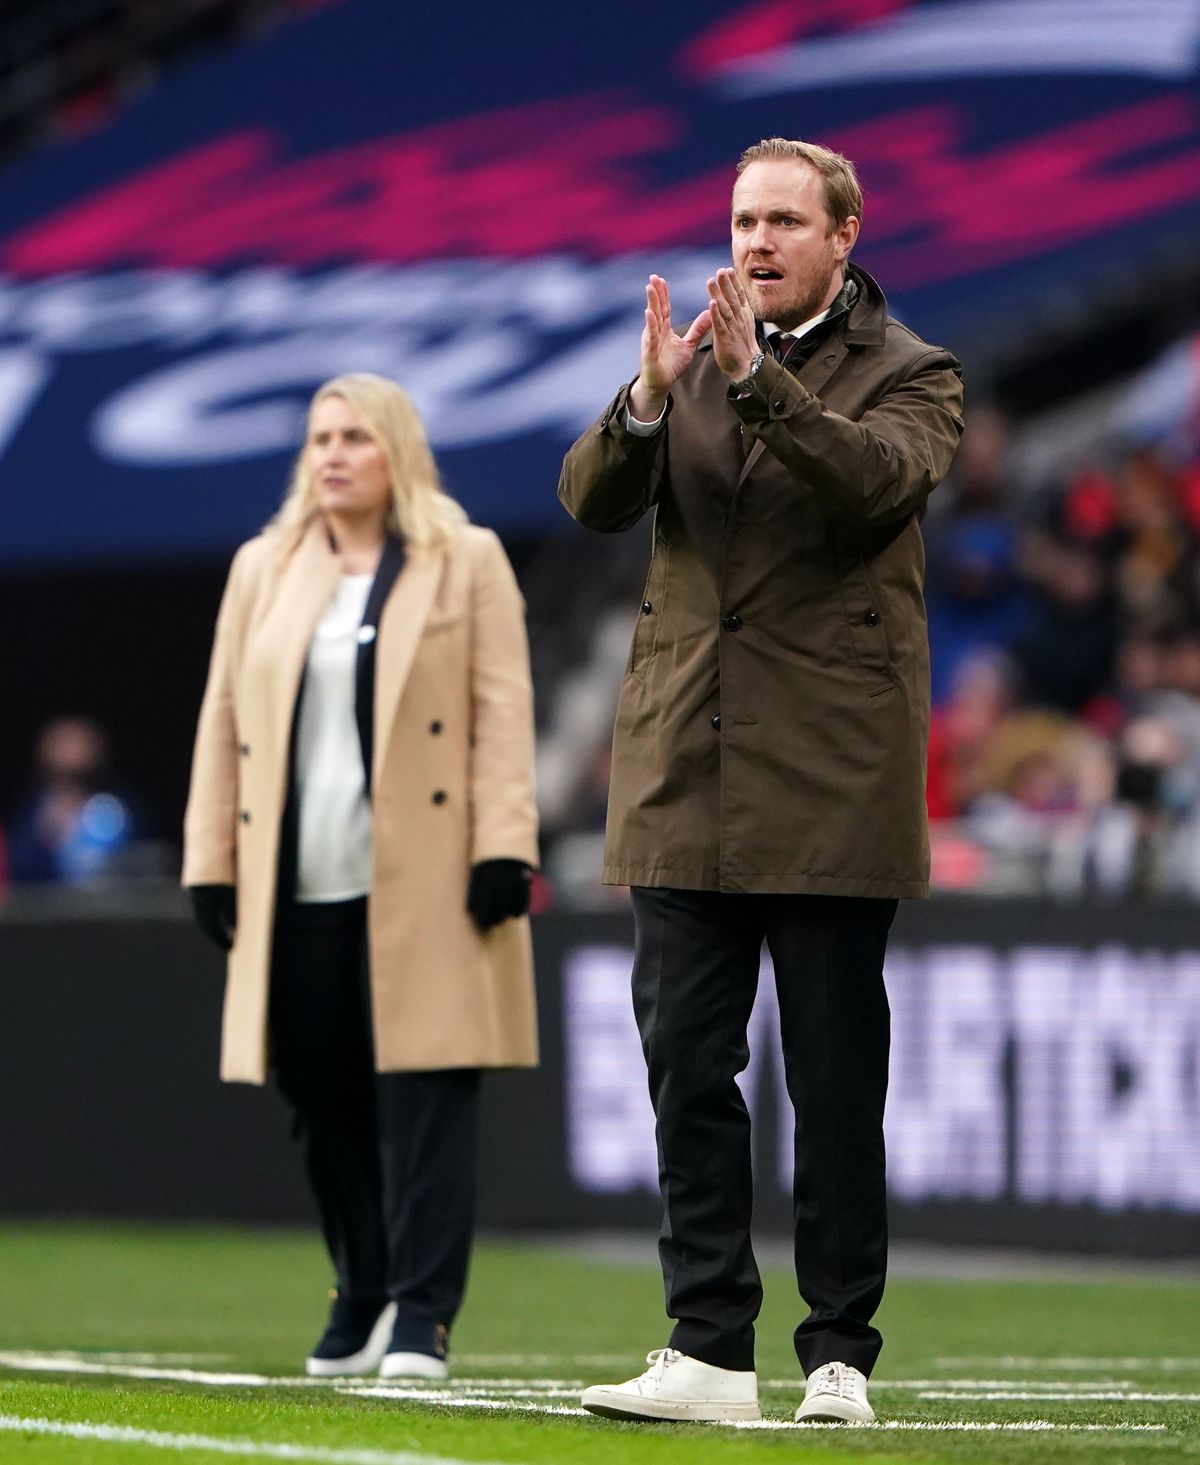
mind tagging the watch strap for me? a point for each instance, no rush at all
(744, 383)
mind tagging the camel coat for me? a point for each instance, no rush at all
(773, 720)
(452, 785)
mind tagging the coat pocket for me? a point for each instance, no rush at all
(650, 612)
(866, 624)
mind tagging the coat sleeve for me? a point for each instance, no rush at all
(878, 469)
(504, 813)
(611, 477)
(210, 822)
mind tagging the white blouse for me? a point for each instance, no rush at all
(335, 813)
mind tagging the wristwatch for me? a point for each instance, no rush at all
(743, 385)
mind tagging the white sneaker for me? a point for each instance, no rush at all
(678, 1387)
(836, 1394)
(413, 1366)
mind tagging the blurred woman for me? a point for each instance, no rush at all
(359, 837)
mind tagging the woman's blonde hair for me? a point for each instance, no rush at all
(421, 512)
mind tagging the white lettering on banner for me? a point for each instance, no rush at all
(610, 1120)
(1108, 1080)
(562, 393)
(110, 312)
(945, 1119)
(23, 374)
(1040, 1075)
(1042, 1014)
(488, 350)
(610, 1125)
(204, 410)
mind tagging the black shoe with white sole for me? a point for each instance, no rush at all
(417, 1349)
(355, 1339)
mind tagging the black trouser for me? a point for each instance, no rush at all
(694, 981)
(390, 1157)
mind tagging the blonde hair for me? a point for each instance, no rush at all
(843, 193)
(421, 512)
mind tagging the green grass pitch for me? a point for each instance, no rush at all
(124, 1344)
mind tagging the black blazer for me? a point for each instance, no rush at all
(391, 562)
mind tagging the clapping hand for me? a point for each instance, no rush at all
(665, 354)
(735, 339)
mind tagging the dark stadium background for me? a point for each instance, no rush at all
(208, 208)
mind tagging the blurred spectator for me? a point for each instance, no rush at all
(1064, 743)
(974, 596)
(982, 696)
(1066, 653)
(1039, 779)
(1151, 565)
(1147, 840)
(71, 828)
(1181, 662)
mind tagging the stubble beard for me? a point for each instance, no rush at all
(803, 307)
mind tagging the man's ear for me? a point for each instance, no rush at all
(846, 236)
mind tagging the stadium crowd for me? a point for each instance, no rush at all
(1064, 619)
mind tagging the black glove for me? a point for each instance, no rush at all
(215, 910)
(497, 891)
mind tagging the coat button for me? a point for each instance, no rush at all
(435, 727)
(715, 719)
(646, 607)
(871, 618)
(439, 796)
(781, 406)
(244, 816)
(732, 622)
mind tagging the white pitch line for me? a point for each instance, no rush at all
(124, 1434)
(56, 1363)
(112, 1356)
(458, 1401)
(519, 1396)
(902, 1385)
(543, 1360)
(1070, 1362)
(70, 1362)
(78, 1363)
(974, 1426)
(966, 1426)
(1089, 1396)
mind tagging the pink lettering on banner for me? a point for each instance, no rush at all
(936, 214)
(118, 223)
(520, 182)
(775, 23)
(577, 176)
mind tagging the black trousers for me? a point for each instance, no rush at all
(694, 981)
(390, 1158)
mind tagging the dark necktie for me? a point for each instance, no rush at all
(780, 343)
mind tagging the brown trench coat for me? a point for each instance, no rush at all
(453, 717)
(773, 721)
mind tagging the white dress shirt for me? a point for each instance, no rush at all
(335, 814)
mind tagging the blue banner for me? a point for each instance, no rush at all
(470, 201)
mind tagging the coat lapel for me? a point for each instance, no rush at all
(400, 626)
(307, 585)
(815, 372)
